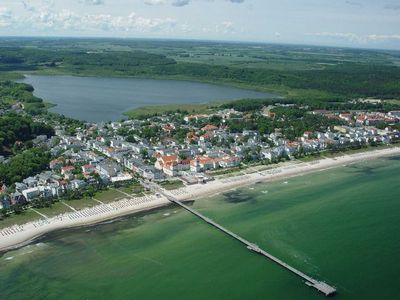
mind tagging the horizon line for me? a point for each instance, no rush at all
(228, 41)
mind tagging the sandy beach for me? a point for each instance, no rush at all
(19, 235)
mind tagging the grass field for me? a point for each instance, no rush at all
(133, 189)
(26, 216)
(172, 185)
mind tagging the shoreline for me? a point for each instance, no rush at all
(21, 235)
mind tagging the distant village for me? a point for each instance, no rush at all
(114, 153)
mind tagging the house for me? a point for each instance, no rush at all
(30, 181)
(227, 113)
(31, 193)
(273, 153)
(202, 163)
(173, 168)
(153, 174)
(19, 186)
(5, 201)
(77, 184)
(88, 169)
(56, 164)
(108, 168)
(209, 127)
(395, 114)
(195, 117)
(163, 160)
(229, 162)
(121, 178)
(168, 127)
(18, 198)
(67, 170)
(116, 143)
(345, 116)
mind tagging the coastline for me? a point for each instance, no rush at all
(17, 236)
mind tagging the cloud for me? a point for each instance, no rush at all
(225, 27)
(6, 17)
(154, 2)
(27, 6)
(353, 3)
(383, 37)
(352, 37)
(94, 2)
(46, 19)
(392, 6)
(357, 39)
(180, 3)
(227, 24)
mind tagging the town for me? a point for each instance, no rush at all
(180, 148)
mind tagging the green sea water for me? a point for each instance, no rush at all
(341, 226)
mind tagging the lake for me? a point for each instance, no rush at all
(106, 99)
(340, 225)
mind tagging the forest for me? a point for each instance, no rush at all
(13, 92)
(19, 129)
(23, 165)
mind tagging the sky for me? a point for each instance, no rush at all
(343, 23)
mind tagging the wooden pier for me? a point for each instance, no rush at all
(318, 285)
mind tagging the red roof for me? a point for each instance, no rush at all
(209, 127)
(168, 158)
(67, 168)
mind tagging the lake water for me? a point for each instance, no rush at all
(341, 226)
(106, 99)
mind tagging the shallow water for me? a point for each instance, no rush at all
(339, 225)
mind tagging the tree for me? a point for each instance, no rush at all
(130, 138)
(144, 153)
(25, 164)
(90, 191)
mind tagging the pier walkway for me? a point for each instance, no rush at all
(318, 285)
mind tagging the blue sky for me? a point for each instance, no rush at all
(350, 23)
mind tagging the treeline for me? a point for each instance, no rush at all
(312, 104)
(19, 128)
(23, 165)
(349, 79)
(19, 58)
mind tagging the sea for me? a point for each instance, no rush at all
(340, 226)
